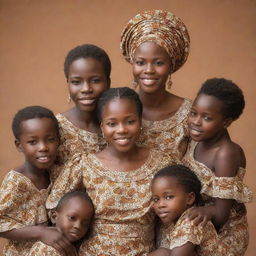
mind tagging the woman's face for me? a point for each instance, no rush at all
(121, 124)
(151, 67)
(86, 81)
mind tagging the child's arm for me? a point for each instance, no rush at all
(188, 249)
(48, 235)
(228, 161)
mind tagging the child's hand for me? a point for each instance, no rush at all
(51, 236)
(200, 215)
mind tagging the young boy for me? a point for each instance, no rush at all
(24, 189)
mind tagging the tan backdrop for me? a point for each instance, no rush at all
(36, 35)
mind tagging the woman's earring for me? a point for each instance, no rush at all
(168, 84)
(134, 84)
(69, 99)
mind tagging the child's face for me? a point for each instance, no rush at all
(121, 124)
(87, 81)
(151, 67)
(74, 218)
(206, 119)
(170, 199)
(39, 142)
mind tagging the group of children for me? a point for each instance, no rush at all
(197, 194)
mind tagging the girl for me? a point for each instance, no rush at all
(175, 191)
(87, 69)
(117, 179)
(72, 217)
(156, 43)
(219, 163)
(24, 189)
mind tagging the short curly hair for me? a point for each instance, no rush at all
(228, 93)
(88, 51)
(32, 112)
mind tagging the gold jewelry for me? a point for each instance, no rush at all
(134, 84)
(69, 99)
(168, 83)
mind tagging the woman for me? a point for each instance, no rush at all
(156, 43)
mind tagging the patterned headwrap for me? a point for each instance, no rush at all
(161, 27)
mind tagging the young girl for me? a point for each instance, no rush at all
(72, 217)
(87, 69)
(219, 163)
(24, 189)
(117, 179)
(175, 191)
(156, 43)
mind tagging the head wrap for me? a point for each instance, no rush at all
(161, 27)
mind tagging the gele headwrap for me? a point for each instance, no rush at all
(161, 27)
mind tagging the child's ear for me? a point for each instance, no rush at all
(18, 145)
(53, 217)
(191, 198)
(228, 122)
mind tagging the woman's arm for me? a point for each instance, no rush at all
(188, 249)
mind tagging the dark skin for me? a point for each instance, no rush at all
(223, 157)
(86, 81)
(215, 149)
(39, 141)
(188, 249)
(120, 120)
(153, 62)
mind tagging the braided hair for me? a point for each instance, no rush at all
(118, 93)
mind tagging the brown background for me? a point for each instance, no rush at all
(35, 36)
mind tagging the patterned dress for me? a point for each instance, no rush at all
(41, 249)
(123, 221)
(21, 205)
(234, 234)
(183, 231)
(169, 135)
(74, 139)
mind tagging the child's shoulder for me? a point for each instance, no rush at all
(230, 156)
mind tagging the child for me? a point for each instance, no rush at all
(117, 179)
(24, 189)
(87, 69)
(175, 190)
(72, 217)
(156, 44)
(219, 163)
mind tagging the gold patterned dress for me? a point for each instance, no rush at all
(74, 140)
(169, 135)
(41, 249)
(183, 231)
(21, 205)
(123, 221)
(234, 234)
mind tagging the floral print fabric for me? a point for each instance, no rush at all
(41, 249)
(169, 135)
(183, 231)
(233, 235)
(74, 140)
(123, 221)
(21, 205)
